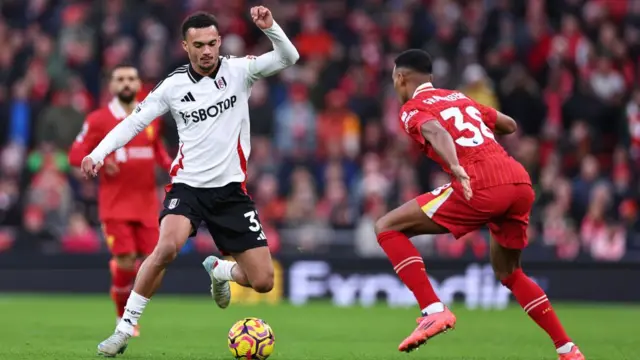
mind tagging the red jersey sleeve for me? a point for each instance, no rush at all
(160, 153)
(88, 138)
(489, 115)
(412, 119)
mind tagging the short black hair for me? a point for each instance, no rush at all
(198, 20)
(416, 60)
(122, 65)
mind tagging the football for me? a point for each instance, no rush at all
(251, 338)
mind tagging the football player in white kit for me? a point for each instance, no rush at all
(208, 99)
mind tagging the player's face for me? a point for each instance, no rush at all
(203, 47)
(125, 84)
(400, 85)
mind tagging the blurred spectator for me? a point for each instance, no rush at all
(522, 99)
(609, 244)
(296, 124)
(476, 86)
(339, 123)
(60, 122)
(80, 238)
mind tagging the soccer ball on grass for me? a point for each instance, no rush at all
(251, 338)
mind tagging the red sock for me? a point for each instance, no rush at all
(121, 284)
(408, 264)
(535, 303)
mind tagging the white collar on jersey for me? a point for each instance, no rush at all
(116, 109)
(422, 88)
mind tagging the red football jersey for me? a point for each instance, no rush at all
(471, 126)
(129, 195)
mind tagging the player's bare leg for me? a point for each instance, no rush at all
(507, 267)
(254, 265)
(123, 273)
(174, 231)
(253, 268)
(393, 231)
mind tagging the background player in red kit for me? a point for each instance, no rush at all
(128, 203)
(488, 187)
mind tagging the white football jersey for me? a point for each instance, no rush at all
(211, 113)
(212, 118)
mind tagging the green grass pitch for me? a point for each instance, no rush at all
(65, 327)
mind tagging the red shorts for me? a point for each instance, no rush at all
(130, 237)
(504, 209)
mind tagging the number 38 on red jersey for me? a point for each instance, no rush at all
(469, 123)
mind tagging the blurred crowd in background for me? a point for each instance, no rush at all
(329, 156)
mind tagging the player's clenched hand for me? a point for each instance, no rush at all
(459, 172)
(262, 17)
(89, 169)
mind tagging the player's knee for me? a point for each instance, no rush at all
(505, 274)
(502, 276)
(383, 224)
(126, 261)
(263, 284)
(166, 251)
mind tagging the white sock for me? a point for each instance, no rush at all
(222, 271)
(566, 348)
(135, 306)
(433, 308)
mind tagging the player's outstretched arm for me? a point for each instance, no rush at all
(86, 140)
(153, 106)
(284, 53)
(505, 124)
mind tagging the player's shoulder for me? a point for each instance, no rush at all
(412, 105)
(176, 76)
(99, 115)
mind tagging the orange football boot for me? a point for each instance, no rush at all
(574, 354)
(430, 326)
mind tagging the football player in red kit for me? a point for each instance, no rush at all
(128, 203)
(488, 187)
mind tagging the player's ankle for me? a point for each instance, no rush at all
(566, 348)
(125, 327)
(434, 308)
(132, 312)
(224, 270)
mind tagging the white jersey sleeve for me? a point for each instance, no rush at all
(150, 108)
(283, 55)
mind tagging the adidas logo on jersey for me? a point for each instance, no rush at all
(188, 98)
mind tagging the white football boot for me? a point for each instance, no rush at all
(116, 344)
(220, 289)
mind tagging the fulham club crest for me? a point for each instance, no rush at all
(173, 203)
(221, 83)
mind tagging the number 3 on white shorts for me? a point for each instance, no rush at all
(460, 124)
